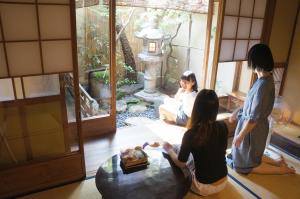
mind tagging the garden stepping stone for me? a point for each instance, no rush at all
(137, 121)
(130, 89)
(121, 106)
(137, 108)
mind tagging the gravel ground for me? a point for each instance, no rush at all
(121, 117)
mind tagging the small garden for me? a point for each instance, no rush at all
(177, 50)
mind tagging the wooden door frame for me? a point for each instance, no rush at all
(267, 26)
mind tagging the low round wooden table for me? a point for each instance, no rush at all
(161, 179)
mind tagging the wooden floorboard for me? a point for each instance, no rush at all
(98, 150)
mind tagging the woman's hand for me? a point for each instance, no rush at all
(237, 141)
(232, 118)
(167, 146)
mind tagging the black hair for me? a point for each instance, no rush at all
(190, 76)
(260, 58)
(204, 116)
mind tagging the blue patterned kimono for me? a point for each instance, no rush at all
(257, 107)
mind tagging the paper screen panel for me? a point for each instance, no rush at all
(3, 67)
(246, 8)
(57, 56)
(24, 58)
(54, 1)
(259, 8)
(19, 88)
(240, 51)
(232, 7)
(226, 52)
(244, 28)
(55, 21)
(229, 27)
(256, 30)
(252, 43)
(19, 22)
(6, 90)
(39, 86)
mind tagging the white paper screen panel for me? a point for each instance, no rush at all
(227, 48)
(246, 8)
(19, 22)
(57, 56)
(256, 30)
(259, 8)
(240, 51)
(40, 86)
(6, 90)
(54, 1)
(232, 7)
(19, 88)
(252, 43)
(3, 67)
(229, 27)
(24, 58)
(244, 28)
(54, 21)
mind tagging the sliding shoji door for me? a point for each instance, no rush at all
(242, 24)
(38, 96)
(242, 28)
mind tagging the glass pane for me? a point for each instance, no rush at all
(57, 56)
(225, 78)
(259, 8)
(256, 30)
(54, 22)
(21, 54)
(244, 28)
(94, 59)
(19, 21)
(232, 7)
(3, 66)
(39, 86)
(246, 8)
(240, 51)
(19, 88)
(6, 90)
(229, 27)
(37, 129)
(226, 52)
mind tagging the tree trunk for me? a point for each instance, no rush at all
(127, 52)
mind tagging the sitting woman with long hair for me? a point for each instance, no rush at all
(178, 110)
(206, 140)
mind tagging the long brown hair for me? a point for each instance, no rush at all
(204, 116)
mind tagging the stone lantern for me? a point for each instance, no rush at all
(151, 55)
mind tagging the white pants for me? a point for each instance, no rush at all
(206, 189)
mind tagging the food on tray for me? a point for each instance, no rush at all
(133, 157)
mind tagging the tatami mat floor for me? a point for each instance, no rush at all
(239, 186)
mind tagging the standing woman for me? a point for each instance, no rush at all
(253, 126)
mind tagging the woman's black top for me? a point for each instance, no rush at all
(209, 158)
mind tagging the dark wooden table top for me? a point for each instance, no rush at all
(161, 179)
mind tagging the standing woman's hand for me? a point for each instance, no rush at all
(167, 146)
(237, 141)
